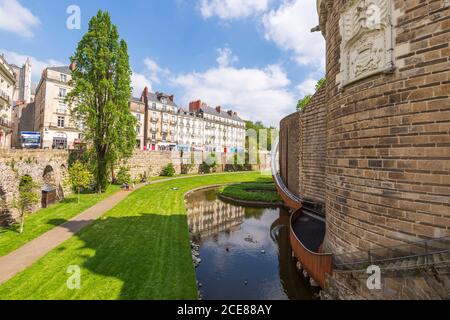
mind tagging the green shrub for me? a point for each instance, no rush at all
(123, 176)
(168, 170)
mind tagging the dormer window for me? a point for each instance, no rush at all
(63, 77)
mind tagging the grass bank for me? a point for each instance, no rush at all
(262, 191)
(138, 250)
(43, 220)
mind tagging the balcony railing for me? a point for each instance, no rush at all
(4, 95)
(5, 123)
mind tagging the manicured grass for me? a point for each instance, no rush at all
(43, 220)
(138, 250)
(264, 191)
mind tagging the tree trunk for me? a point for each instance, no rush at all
(79, 195)
(102, 171)
(22, 222)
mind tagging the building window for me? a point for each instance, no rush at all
(62, 108)
(138, 130)
(62, 92)
(138, 116)
(153, 136)
(154, 106)
(63, 78)
(61, 121)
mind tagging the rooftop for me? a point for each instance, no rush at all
(62, 69)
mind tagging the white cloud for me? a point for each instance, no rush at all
(290, 26)
(16, 18)
(256, 94)
(226, 57)
(37, 66)
(232, 9)
(155, 71)
(139, 81)
(308, 86)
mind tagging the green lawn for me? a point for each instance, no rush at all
(138, 250)
(264, 190)
(45, 219)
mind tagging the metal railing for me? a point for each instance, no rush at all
(410, 255)
(277, 177)
(5, 123)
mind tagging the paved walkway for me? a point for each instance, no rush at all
(25, 256)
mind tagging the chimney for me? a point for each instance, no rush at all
(195, 106)
(144, 95)
(235, 114)
(171, 97)
(218, 109)
(230, 113)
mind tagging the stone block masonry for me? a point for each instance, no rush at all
(388, 135)
(49, 168)
(303, 148)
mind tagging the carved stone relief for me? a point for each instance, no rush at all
(367, 41)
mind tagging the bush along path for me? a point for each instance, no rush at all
(140, 249)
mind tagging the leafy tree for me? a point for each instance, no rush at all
(320, 83)
(26, 199)
(101, 81)
(302, 103)
(124, 176)
(79, 177)
(168, 170)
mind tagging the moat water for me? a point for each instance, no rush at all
(245, 252)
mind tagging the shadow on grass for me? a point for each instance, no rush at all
(149, 253)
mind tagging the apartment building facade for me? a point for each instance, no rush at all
(160, 121)
(162, 125)
(223, 131)
(7, 88)
(52, 115)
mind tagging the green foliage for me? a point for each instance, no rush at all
(210, 164)
(302, 103)
(168, 170)
(101, 82)
(252, 141)
(124, 176)
(79, 177)
(26, 199)
(320, 83)
(256, 191)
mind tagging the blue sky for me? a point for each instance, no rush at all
(256, 57)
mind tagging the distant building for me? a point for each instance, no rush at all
(52, 116)
(160, 121)
(223, 131)
(23, 120)
(23, 87)
(7, 88)
(162, 125)
(137, 108)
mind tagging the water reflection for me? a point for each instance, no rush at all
(245, 252)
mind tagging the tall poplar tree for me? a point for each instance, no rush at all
(101, 81)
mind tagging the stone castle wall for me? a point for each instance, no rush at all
(49, 168)
(388, 132)
(290, 152)
(303, 139)
(313, 159)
